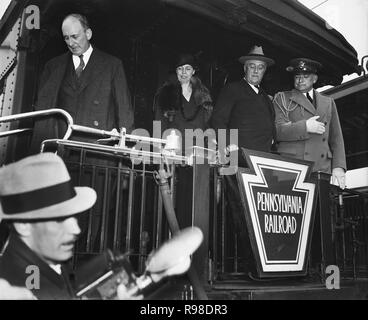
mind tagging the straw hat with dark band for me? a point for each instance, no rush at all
(39, 187)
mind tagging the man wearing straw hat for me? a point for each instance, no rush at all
(40, 205)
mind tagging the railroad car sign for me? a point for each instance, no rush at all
(279, 203)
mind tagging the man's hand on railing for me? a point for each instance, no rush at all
(338, 177)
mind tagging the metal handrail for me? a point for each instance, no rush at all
(171, 144)
(117, 150)
(35, 114)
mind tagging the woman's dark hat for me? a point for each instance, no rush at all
(186, 58)
(303, 65)
(256, 53)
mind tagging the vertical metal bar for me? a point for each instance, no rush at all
(214, 225)
(364, 212)
(105, 211)
(128, 238)
(117, 224)
(155, 214)
(235, 261)
(158, 224)
(142, 234)
(223, 221)
(194, 174)
(172, 183)
(90, 215)
(342, 217)
(80, 165)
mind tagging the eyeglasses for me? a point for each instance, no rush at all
(253, 67)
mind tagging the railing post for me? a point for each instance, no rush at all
(322, 245)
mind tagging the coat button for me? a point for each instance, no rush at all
(95, 123)
(322, 155)
(306, 153)
(324, 139)
(96, 102)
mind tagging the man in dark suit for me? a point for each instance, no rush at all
(307, 123)
(91, 86)
(88, 83)
(245, 106)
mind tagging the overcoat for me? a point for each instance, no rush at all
(103, 96)
(292, 110)
(239, 107)
(19, 265)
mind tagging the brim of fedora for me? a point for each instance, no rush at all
(85, 198)
(269, 61)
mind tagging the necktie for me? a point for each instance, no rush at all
(79, 70)
(257, 86)
(310, 98)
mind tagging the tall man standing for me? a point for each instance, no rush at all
(307, 123)
(91, 86)
(245, 106)
(88, 83)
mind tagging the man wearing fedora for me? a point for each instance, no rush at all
(40, 205)
(245, 106)
(307, 123)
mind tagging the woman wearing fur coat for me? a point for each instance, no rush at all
(183, 102)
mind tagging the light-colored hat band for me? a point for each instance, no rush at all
(37, 199)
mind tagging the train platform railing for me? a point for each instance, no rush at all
(349, 211)
(340, 235)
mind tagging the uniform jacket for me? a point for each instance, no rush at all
(104, 96)
(13, 267)
(240, 107)
(292, 109)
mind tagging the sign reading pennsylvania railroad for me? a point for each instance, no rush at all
(279, 210)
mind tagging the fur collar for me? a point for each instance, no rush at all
(169, 96)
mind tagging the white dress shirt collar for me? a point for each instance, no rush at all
(56, 268)
(311, 93)
(86, 56)
(256, 90)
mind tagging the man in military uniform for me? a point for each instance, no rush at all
(307, 123)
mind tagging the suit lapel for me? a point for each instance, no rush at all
(302, 100)
(269, 101)
(321, 104)
(262, 93)
(59, 73)
(94, 66)
(247, 87)
(71, 78)
(25, 256)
